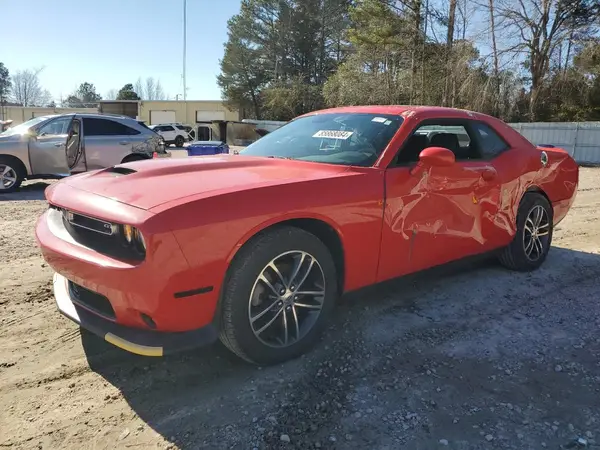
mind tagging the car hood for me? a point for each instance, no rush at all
(151, 183)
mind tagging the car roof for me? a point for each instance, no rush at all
(84, 114)
(114, 116)
(403, 110)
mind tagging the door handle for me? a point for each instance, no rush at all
(123, 143)
(488, 174)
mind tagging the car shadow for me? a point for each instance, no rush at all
(33, 190)
(185, 397)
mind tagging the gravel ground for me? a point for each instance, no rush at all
(469, 357)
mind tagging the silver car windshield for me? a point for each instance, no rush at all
(23, 127)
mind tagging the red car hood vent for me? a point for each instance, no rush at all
(119, 170)
(149, 183)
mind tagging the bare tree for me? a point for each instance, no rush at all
(495, 57)
(150, 89)
(111, 94)
(448, 98)
(27, 90)
(414, 7)
(541, 26)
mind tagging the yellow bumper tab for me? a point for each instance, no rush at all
(133, 348)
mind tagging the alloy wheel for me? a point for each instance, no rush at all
(286, 299)
(536, 233)
(8, 177)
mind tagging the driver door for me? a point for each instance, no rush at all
(47, 147)
(435, 215)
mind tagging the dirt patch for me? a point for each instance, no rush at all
(466, 358)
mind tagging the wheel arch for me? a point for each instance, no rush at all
(534, 189)
(134, 157)
(324, 230)
(17, 162)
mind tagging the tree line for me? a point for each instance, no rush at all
(520, 60)
(25, 89)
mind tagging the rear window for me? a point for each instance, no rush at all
(106, 127)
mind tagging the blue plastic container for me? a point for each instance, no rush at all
(201, 148)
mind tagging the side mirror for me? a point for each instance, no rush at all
(436, 157)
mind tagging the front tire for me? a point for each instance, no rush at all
(179, 141)
(11, 175)
(529, 248)
(278, 295)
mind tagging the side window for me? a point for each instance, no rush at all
(55, 127)
(180, 127)
(489, 142)
(106, 127)
(453, 137)
(168, 128)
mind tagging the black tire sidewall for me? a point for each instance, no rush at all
(179, 141)
(240, 281)
(133, 158)
(530, 201)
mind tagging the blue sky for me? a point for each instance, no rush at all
(113, 42)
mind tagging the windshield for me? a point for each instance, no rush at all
(354, 139)
(23, 127)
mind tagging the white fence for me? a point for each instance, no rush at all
(580, 139)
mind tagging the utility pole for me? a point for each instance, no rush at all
(184, 48)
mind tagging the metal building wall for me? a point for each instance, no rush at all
(580, 139)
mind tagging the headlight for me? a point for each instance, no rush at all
(134, 237)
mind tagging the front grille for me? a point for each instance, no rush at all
(91, 300)
(89, 223)
(99, 235)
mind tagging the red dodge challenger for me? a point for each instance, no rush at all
(163, 255)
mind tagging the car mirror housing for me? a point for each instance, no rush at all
(436, 157)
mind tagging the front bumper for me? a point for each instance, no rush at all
(134, 340)
(164, 288)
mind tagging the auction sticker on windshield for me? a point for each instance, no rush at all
(333, 134)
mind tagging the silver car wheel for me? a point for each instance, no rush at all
(8, 177)
(286, 299)
(536, 233)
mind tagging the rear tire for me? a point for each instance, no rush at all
(529, 248)
(12, 174)
(290, 316)
(179, 141)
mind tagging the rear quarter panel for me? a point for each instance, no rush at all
(559, 180)
(521, 170)
(210, 231)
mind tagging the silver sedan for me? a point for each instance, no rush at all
(60, 145)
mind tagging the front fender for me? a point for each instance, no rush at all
(286, 217)
(211, 230)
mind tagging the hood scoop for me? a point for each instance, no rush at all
(120, 170)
